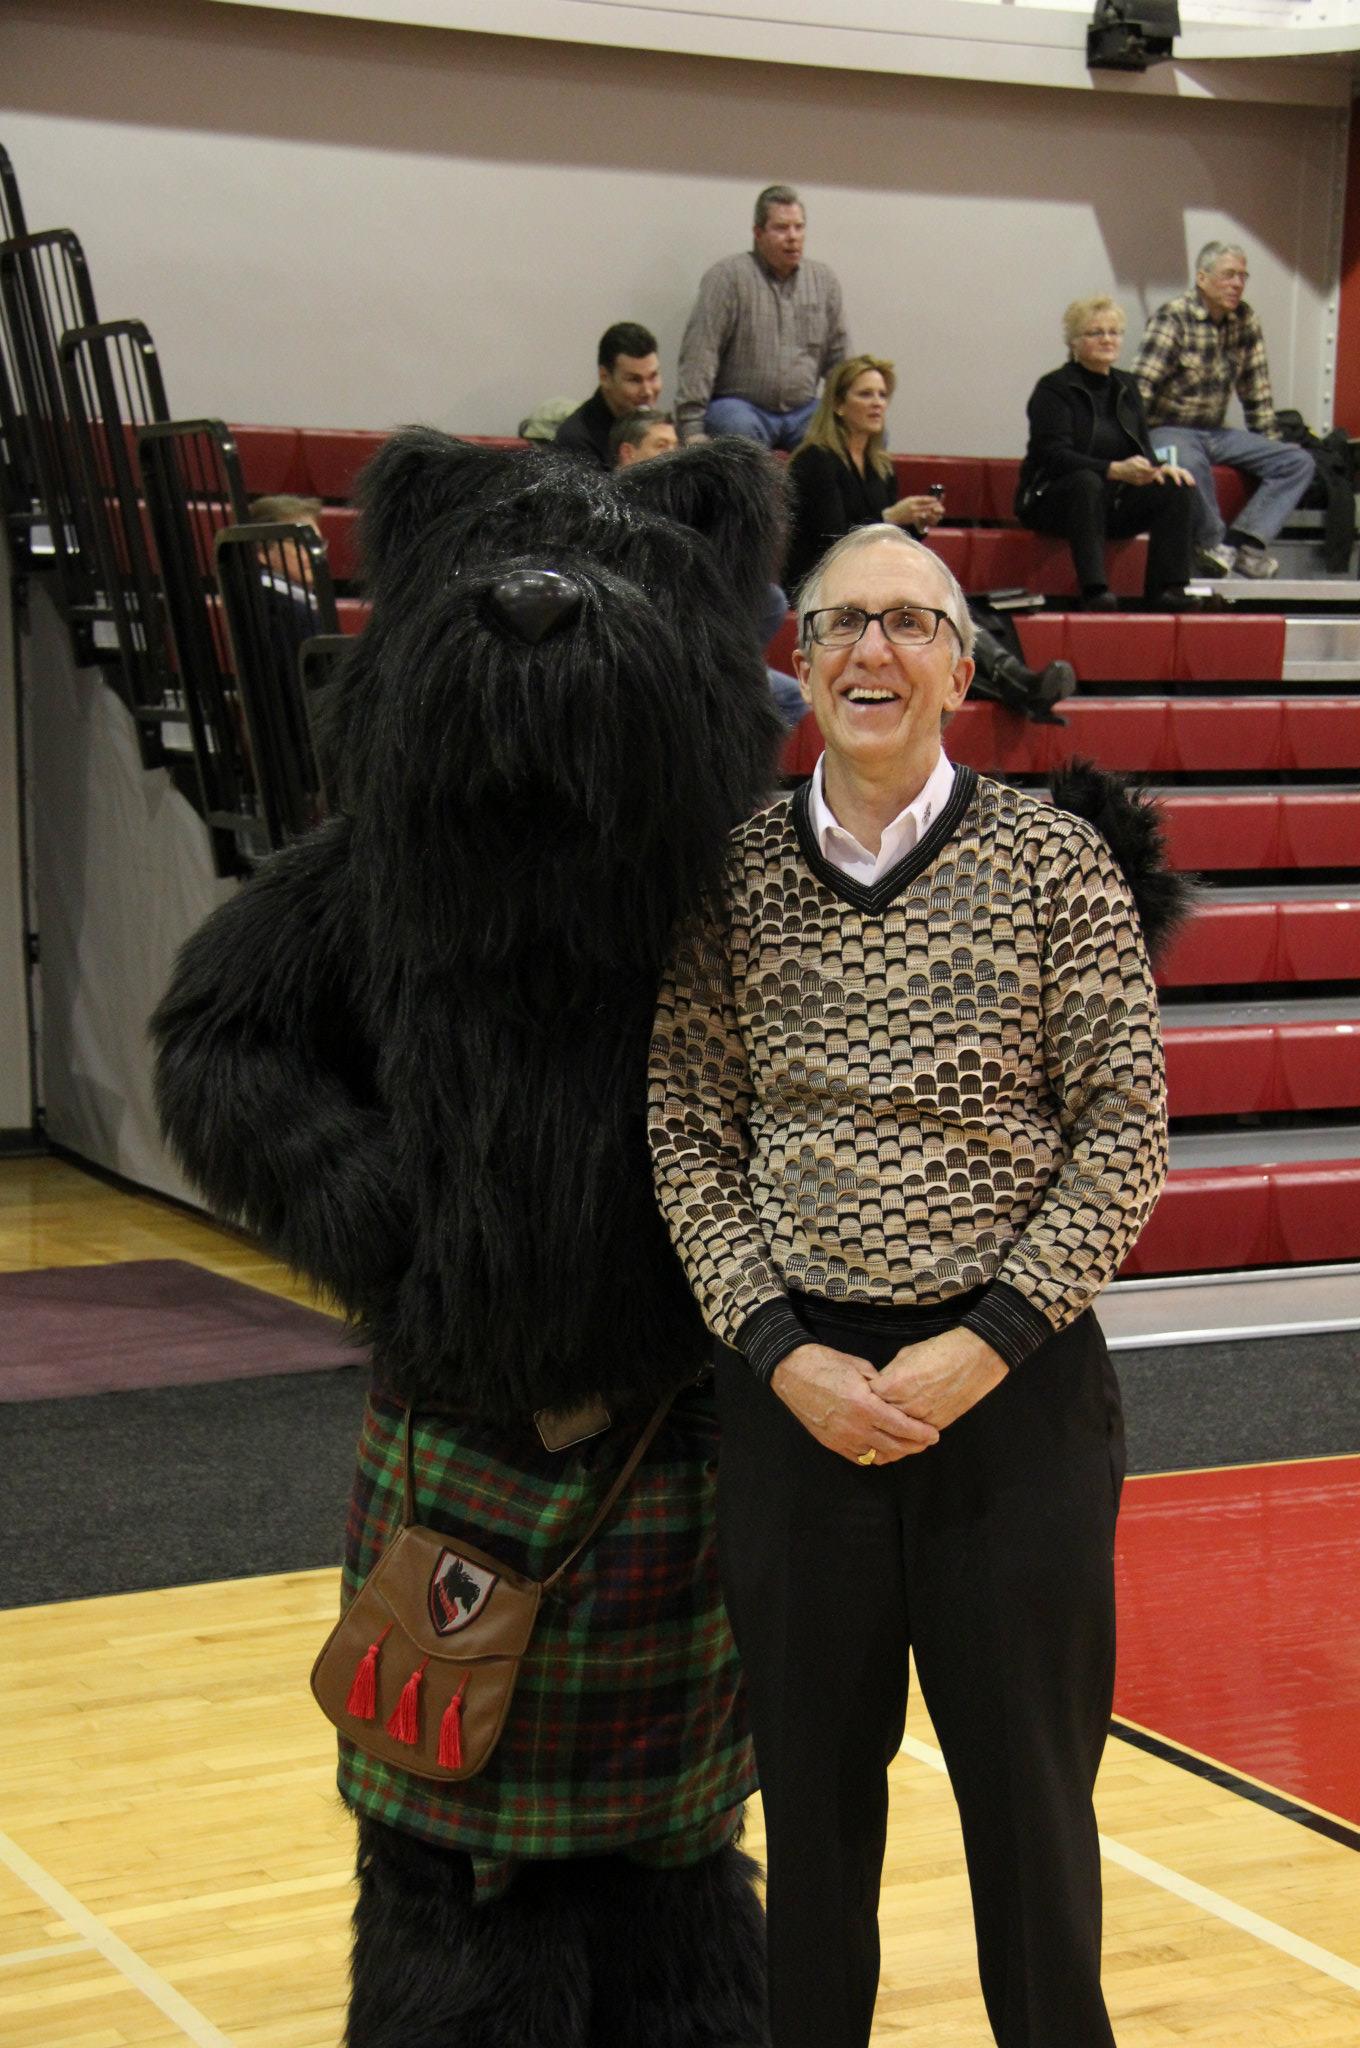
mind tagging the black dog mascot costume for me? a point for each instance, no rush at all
(410, 1054)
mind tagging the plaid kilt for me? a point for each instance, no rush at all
(627, 1731)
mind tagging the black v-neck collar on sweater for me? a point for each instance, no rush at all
(874, 897)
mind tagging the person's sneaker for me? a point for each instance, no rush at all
(1256, 562)
(1216, 561)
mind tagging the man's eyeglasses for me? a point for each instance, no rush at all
(905, 625)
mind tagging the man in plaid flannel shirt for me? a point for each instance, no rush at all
(1198, 350)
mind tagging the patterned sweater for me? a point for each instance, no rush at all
(947, 1080)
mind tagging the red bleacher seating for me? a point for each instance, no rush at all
(1157, 647)
(353, 614)
(272, 460)
(1210, 1219)
(963, 476)
(1220, 1072)
(954, 546)
(1003, 475)
(1212, 734)
(1151, 736)
(1263, 828)
(335, 457)
(779, 653)
(1252, 1069)
(1207, 1218)
(1266, 942)
(1217, 648)
(340, 531)
(1116, 647)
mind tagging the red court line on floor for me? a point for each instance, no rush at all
(1239, 1621)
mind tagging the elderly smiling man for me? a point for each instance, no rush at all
(907, 1111)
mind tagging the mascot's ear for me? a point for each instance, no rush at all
(416, 478)
(733, 493)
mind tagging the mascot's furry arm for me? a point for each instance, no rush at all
(264, 1090)
(1129, 821)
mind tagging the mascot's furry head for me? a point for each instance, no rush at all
(559, 708)
(557, 714)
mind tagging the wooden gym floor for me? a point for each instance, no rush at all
(174, 1865)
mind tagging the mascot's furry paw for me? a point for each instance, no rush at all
(677, 1956)
(432, 1970)
(594, 1952)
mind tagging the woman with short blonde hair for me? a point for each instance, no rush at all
(1083, 313)
(1090, 472)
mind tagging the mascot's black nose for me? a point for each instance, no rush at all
(534, 602)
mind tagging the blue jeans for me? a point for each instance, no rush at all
(1284, 471)
(771, 429)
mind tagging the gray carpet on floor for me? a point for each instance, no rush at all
(171, 1486)
(1241, 1403)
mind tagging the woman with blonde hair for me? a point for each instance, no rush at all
(843, 477)
(841, 472)
(1091, 474)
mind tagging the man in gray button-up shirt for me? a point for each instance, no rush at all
(766, 327)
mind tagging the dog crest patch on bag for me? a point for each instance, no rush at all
(459, 1590)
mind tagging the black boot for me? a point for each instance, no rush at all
(1031, 692)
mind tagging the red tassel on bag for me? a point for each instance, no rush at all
(404, 1725)
(451, 1732)
(363, 1694)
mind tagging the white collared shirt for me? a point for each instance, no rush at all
(907, 829)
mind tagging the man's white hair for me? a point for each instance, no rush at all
(955, 603)
(1211, 252)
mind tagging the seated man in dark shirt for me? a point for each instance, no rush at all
(630, 376)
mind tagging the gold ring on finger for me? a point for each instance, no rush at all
(867, 1457)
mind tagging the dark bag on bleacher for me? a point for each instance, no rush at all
(1333, 489)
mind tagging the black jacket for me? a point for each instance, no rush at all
(830, 496)
(586, 431)
(1062, 425)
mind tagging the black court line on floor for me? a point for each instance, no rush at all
(1245, 1788)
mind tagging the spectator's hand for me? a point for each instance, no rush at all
(1169, 473)
(837, 1398)
(922, 511)
(942, 1377)
(1134, 469)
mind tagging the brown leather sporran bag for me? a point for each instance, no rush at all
(420, 1669)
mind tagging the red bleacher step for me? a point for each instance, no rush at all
(1144, 735)
(1216, 1219)
(1244, 830)
(1252, 1069)
(1285, 941)
(1157, 647)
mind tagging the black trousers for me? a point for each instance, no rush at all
(1087, 510)
(992, 1556)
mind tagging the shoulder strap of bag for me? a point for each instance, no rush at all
(602, 1513)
